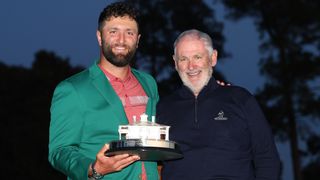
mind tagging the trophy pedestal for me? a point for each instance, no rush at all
(147, 150)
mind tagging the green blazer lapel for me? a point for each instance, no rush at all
(100, 81)
(144, 84)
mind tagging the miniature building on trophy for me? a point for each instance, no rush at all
(145, 138)
(144, 130)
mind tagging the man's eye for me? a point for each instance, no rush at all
(197, 57)
(182, 59)
(130, 33)
(112, 32)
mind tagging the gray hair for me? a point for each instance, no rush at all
(194, 33)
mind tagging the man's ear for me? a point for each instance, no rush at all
(175, 62)
(214, 58)
(138, 40)
(98, 34)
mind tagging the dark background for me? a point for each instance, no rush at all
(42, 43)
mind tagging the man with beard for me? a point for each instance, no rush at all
(221, 130)
(88, 107)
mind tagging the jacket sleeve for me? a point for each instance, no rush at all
(265, 155)
(65, 133)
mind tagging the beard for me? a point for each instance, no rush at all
(197, 86)
(119, 60)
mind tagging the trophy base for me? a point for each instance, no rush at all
(147, 150)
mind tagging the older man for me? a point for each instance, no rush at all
(222, 132)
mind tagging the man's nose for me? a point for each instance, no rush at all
(121, 37)
(190, 64)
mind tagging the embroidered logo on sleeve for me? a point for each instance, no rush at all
(221, 116)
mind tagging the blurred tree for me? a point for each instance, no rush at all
(161, 22)
(25, 103)
(290, 36)
(311, 171)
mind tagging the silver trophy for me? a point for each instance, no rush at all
(146, 139)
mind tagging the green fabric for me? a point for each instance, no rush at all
(85, 114)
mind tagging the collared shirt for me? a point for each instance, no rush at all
(130, 92)
(132, 96)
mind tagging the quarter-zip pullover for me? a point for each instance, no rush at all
(222, 133)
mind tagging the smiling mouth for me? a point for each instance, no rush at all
(120, 49)
(194, 73)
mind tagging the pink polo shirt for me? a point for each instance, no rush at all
(132, 96)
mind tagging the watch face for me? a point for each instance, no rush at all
(95, 174)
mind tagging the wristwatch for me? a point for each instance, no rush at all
(95, 174)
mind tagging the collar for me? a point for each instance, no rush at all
(187, 93)
(111, 77)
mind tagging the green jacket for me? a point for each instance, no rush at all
(85, 114)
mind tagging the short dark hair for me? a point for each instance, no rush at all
(117, 9)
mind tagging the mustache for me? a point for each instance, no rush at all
(193, 71)
(120, 45)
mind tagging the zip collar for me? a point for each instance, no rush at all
(186, 92)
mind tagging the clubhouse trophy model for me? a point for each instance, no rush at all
(147, 139)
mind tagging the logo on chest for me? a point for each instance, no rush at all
(221, 116)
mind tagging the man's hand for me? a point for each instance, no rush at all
(105, 164)
(221, 83)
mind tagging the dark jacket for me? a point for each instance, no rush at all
(222, 133)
